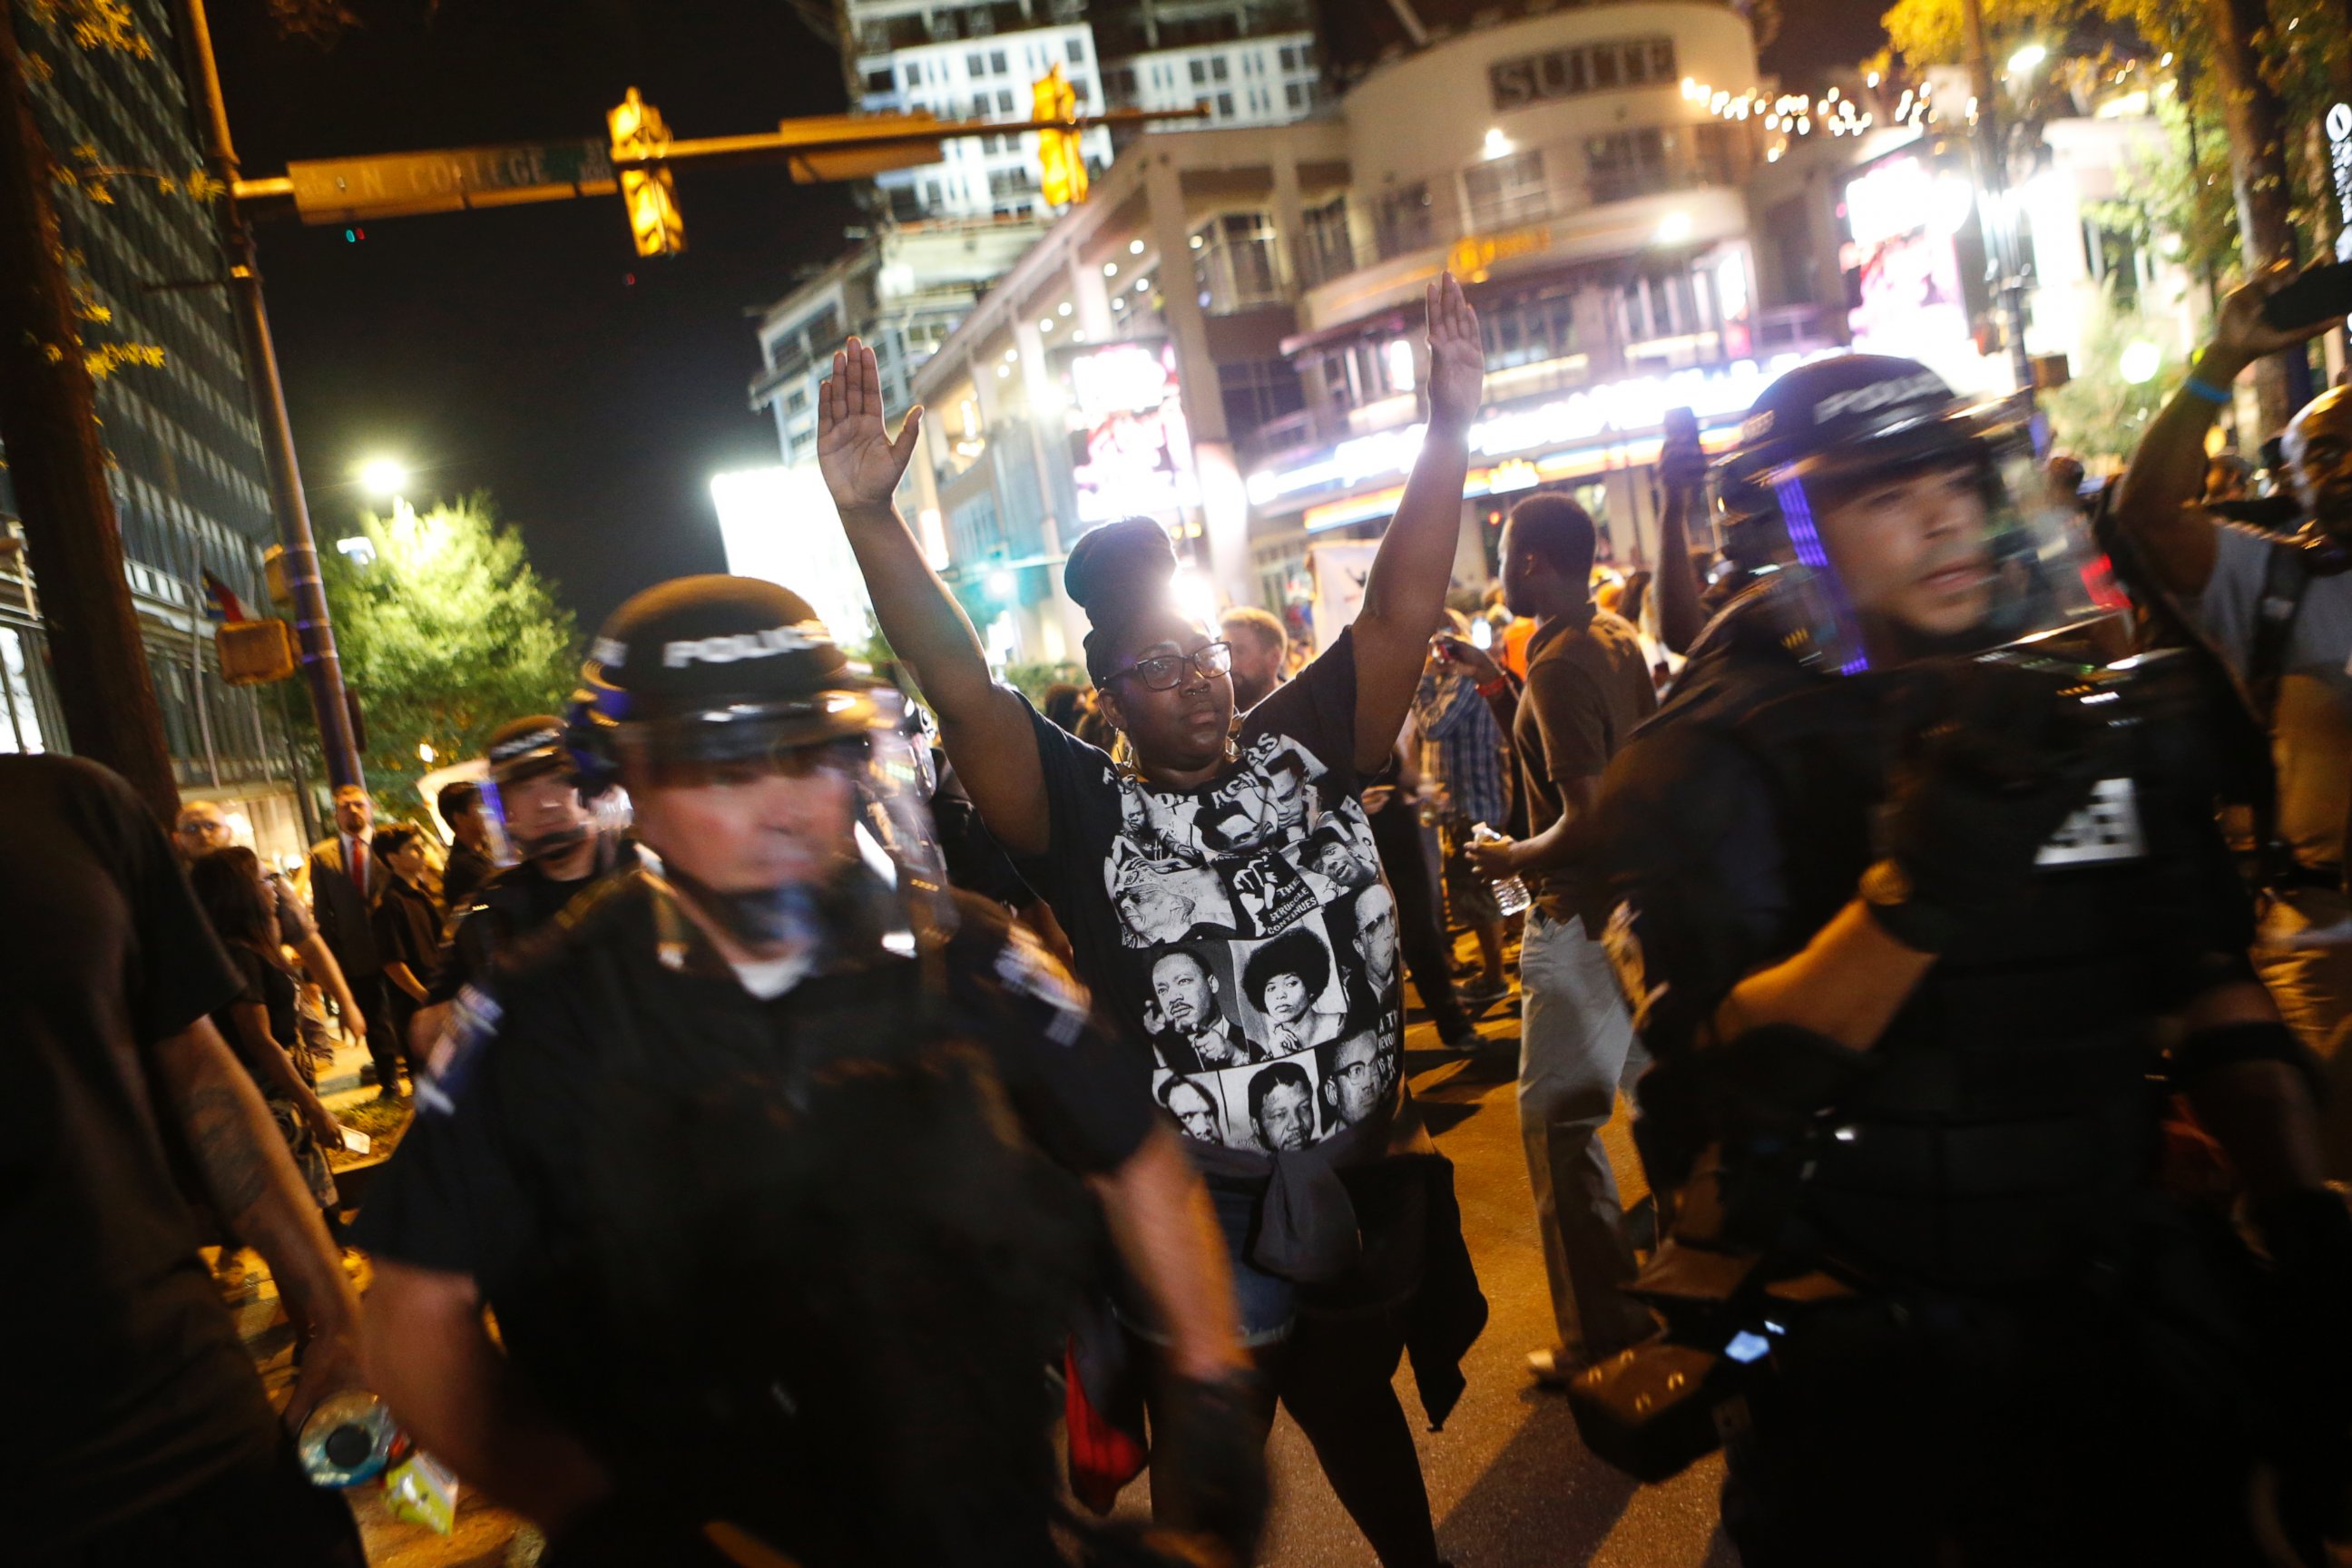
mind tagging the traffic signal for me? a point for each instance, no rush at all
(652, 199)
(1061, 166)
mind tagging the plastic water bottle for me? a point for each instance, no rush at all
(347, 1441)
(1510, 894)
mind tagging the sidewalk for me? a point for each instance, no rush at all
(486, 1536)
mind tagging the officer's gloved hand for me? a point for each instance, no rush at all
(1209, 1474)
(2002, 760)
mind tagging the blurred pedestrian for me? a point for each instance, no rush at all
(408, 927)
(344, 882)
(1415, 920)
(1464, 751)
(202, 828)
(136, 1430)
(2278, 606)
(1261, 653)
(259, 1022)
(469, 864)
(1588, 686)
(1065, 704)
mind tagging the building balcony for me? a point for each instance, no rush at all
(1523, 237)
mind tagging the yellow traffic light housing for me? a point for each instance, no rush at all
(1061, 165)
(649, 195)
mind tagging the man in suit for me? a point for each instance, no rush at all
(345, 882)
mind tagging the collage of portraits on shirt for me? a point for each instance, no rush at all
(1265, 945)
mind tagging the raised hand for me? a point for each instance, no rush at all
(1457, 357)
(2241, 336)
(860, 462)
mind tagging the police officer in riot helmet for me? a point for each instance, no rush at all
(543, 828)
(1923, 912)
(772, 1159)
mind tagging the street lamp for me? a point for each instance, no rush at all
(2027, 60)
(384, 476)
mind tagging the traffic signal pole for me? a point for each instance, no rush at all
(322, 669)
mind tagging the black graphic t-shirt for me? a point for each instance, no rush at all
(1241, 927)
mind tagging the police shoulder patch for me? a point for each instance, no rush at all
(471, 1024)
(1025, 967)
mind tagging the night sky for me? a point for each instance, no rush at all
(508, 351)
(511, 351)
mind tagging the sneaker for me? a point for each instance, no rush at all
(1482, 990)
(1467, 1041)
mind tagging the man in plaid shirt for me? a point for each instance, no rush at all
(1463, 748)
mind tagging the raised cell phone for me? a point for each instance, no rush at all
(2317, 296)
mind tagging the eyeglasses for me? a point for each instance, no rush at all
(1163, 673)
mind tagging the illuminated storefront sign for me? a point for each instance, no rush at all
(1636, 404)
(1517, 474)
(1904, 215)
(1130, 422)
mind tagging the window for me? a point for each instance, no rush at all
(996, 61)
(1605, 69)
(1200, 73)
(1404, 221)
(1289, 57)
(975, 65)
(1009, 182)
(879, 81)
(1256, 393)
(1294, 96)
(1217, 66)
(914, 73)
(1627, 164)
(1327, 250)
(1528, 330)
(1663, 305)
(1224, 106)
(1715, 155)
(1005, 100)
(796, 400)
(1236, 263)
(1505, 191)
(1076, 50)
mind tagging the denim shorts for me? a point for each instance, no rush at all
(1266, 1305)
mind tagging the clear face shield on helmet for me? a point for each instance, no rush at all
(535, 809)
(1938, 538)
(886, 884)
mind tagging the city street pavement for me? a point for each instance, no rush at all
(1511, 1485)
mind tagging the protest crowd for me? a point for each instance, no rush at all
(857, 1115)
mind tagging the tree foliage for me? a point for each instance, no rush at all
(2098, 416)
(446, 635)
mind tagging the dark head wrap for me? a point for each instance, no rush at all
(1117, 575)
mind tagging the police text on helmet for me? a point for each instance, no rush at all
(745, 645)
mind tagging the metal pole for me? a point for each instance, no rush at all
(323, 669)
(1992, 176)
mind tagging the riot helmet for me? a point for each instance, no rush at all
(531, 799)
(1885, 518)
(720, 679)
